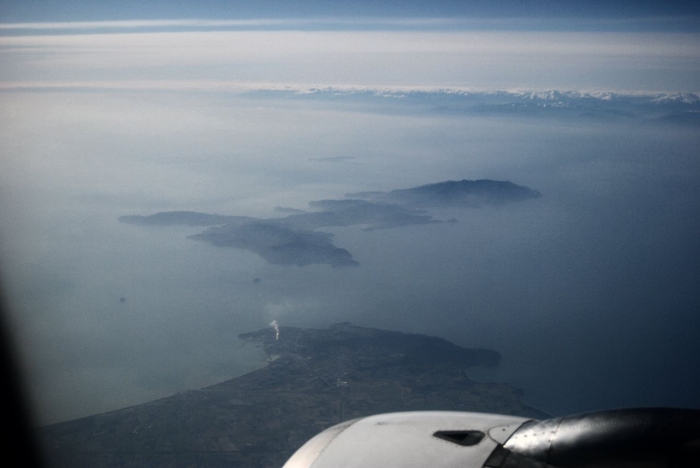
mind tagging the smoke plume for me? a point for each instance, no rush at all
(274, 325)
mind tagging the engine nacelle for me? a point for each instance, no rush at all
(651, 437)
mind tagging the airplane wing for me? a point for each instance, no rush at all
(647, 437)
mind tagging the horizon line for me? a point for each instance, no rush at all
(398, 21)
(307, 88)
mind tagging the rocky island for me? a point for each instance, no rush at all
(296, 239)
(315, 378)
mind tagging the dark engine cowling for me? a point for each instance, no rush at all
(647, 437)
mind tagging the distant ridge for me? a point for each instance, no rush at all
(646, 107)
(463, 193)
(340, 91)
(404, 93)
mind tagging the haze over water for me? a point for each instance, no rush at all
(589, 292)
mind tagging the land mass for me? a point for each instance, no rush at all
(296, 240)
(462, 193)
(557, 104)
(315, 378)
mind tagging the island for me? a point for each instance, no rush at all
(314, 378)
(295, 239)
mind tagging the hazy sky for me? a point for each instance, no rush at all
(85, 10)
(123, 109)
(211, 58)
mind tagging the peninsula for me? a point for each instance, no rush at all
(314, 378)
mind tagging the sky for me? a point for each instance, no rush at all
(122, 109)
(83, 10)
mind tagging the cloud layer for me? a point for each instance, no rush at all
(448, 58)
